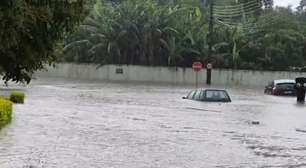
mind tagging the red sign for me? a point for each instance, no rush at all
(197, 66)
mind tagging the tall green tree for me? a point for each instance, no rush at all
(247, 34)
(29, 31)
(279, 42)
(141, 32)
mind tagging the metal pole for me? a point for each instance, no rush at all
(211, 27)
(210, 38)
(202, 5)
(208, 81)
(197, 80)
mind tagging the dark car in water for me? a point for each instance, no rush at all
(283, 87)
(209, 95)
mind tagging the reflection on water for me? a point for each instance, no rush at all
(90, 124)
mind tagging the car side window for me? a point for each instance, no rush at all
(190, 95)
(216, 95)
(202, 95)
(208, 94)
(197, 95)
(223, 95)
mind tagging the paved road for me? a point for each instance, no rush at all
(77, 124)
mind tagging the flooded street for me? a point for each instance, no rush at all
(78, 124)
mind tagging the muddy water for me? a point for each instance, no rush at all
(77, 124)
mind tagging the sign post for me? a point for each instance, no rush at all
(209, 69)
(197, 66)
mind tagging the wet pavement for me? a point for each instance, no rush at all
(78, 124)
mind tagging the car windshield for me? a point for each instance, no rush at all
(216, 95)
(285, 85)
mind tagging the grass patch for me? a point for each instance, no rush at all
(17, 97)
(6, 108)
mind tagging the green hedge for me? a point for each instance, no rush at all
(6, 108)
(17, 97)
(4, 97)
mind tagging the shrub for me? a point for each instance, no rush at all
(17, 97)
(6, 108)
(4, 97)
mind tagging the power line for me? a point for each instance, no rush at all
(238, 14)
(249, 24)
(238, 11)
(239, 5)
(229, 14)
(248, 28)
(255, 6)
(266, 3)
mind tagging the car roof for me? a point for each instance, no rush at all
(220, 90)
(284, 81)
(214, 90)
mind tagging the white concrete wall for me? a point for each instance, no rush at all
(165, 74)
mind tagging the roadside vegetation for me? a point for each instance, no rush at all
(247, 34)
(6, 108)
(17, 97)
(31, 31)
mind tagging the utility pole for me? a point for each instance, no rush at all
(211, 27)
(210, 39)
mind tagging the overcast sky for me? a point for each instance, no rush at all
(285, 3)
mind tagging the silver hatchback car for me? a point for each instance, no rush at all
(209, 95)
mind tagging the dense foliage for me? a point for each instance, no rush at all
(17, 97)
(30, 30)
(247, 34)
(139, 32)
(6, 108)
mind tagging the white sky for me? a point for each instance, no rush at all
(293, 3)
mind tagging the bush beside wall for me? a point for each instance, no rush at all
(17, 97)
(4, 97)
(6, 108)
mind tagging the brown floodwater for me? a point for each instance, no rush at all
(90, 124)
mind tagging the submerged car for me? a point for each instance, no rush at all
(209, 95)
(283, 87)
